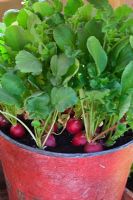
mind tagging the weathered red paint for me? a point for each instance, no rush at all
(39, 175)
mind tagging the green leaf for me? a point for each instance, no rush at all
(129, 117)
(43, 8)
(121, 129)
(124, 104)
(102, 4)
(12, 84)
(122, 12)
(10, 16)
(38, 106)
(28, 63)
(71, 72)
(58, 5)
(7, 99)
(72, 6)
(63, 98)
(91, 28)
(125, 56)
(22, 18)
(131, 41)
(61, 64)
(64, 36)
(97, 95)
(16, 37)
(98, 54)
(127, 78)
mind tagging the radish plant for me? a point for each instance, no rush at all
(67, 70)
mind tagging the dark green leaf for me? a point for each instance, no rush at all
(28, 63)
(63, 98)
(125, 56)
(38, 106)
(98, 54)
(12, 84)
(71, 72)
(91, 28)
(7, 99)
(64, 36)
(102, 4)
(127, 78)
(72, 6)
(61, 64)
(16, 37)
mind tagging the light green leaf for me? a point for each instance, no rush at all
(72, 6)
(16, 37)
(121, 129)
(131, 41)
(12, 84)
(127, 78)
(43, 8)
(97, 95)
(10, 16)
(98, 54)
(122, 12)
(22, 18)
(7, 99)
(38, 106)
(61, 64)
(64, 36)
(63, 98)
(124, 104)
(28, 63)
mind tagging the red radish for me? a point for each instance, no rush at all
(93, 147)
(51, 141)
(74, 125)
(79, 139)
(17, 131)
(3, 121)
(69, 111)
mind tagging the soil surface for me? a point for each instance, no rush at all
(63, 141)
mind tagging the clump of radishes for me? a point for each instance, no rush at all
(75, 127)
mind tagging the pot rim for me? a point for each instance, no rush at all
(65, 155)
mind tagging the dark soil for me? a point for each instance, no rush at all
(63, 140)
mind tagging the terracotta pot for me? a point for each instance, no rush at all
(36, 174)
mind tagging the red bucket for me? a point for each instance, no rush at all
(39, 175)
